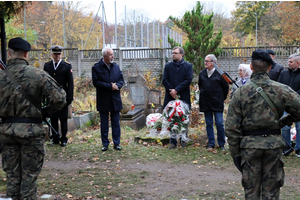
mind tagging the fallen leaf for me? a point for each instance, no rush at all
(109, 187)
(195, 162)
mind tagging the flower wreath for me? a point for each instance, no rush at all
(176, 114)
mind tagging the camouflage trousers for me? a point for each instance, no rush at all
(263, 173)
(22, 160)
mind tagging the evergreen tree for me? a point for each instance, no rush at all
(201, 37)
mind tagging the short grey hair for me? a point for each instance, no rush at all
(212, 57)
(104, 51)
(296, 56)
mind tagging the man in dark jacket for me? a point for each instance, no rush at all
(108, 80)
(276, 68)
(177, 78)
(213, 91)
(61, 71)
(291, 77)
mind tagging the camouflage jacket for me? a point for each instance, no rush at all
(36, 83)
(248, 111)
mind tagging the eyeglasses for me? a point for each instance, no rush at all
(175, 53)
(56, 54)
(206, 61)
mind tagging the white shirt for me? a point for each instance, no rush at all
(209, 73)
(55, 67)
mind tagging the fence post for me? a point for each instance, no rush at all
(164, 53)
(120, 59)
(79, 62)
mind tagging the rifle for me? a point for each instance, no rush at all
(19, 88)
(225, 75)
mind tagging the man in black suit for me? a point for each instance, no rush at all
(108, 80)
(177, 78)
(61, 71)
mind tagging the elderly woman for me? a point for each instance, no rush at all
(245, 74)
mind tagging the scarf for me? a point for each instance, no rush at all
(177, 64)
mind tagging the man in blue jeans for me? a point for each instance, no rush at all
(291, 77)
(213, 91)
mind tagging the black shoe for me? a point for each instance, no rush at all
(297, 153)
(287, 150)
(117, 148)
(210, 148)
(104, 148)
(183, 145)
(63, 144)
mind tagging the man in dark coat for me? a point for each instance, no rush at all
(276, 68)
(291, 77)
(213, 91)
(108, 80)
(177, 78)
(61, 71)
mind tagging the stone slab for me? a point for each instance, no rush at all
(137, 95)
(136, 123)
(132, 114)
(155, 97)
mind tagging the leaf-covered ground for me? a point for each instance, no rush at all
(145, 170)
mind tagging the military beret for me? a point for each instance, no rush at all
(56, 49)
(262, 55)
(270, 52)
(19, 44)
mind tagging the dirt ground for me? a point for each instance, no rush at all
(161, 180)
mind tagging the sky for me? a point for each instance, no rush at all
(154, 9)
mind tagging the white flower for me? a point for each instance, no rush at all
(175, 127)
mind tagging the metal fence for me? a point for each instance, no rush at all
(144, 53)
(237, 52)
(143, 59)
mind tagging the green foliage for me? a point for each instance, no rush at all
(244, 17)
(201, 38)
(17, 30)
(10, 8)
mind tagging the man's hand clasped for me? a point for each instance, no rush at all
(114, 86)
(173, 93)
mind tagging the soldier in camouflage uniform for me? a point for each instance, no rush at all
(22, 132)
(253, 130)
